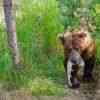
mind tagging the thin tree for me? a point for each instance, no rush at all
(11, 31)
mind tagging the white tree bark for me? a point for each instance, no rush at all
(11, 31)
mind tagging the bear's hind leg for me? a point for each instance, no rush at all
(88, 70)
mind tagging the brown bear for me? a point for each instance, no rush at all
(79, 51)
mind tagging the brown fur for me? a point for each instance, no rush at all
(81, 41)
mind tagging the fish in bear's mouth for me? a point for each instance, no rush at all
(75, 61)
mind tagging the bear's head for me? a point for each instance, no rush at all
(74, 40)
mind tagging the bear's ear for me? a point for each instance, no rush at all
(61, 37)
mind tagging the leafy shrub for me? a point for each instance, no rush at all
(5, 58)
(41, 18)
(98, 51)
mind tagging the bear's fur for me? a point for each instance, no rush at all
(82, 42)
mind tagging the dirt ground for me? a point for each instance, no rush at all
(87, 94)
(87, 91)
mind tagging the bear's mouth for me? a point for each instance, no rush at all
(75, 58)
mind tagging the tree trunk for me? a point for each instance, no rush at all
(11, 31)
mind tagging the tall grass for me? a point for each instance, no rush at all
(37, 26)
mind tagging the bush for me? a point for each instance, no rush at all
(42, 19)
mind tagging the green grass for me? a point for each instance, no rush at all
(43, 71)
(40, 79)
(42, 74)
(98, 51)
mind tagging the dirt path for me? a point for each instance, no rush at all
(75, 95)
(87, 91)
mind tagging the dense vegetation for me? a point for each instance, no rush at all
(38, 22)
